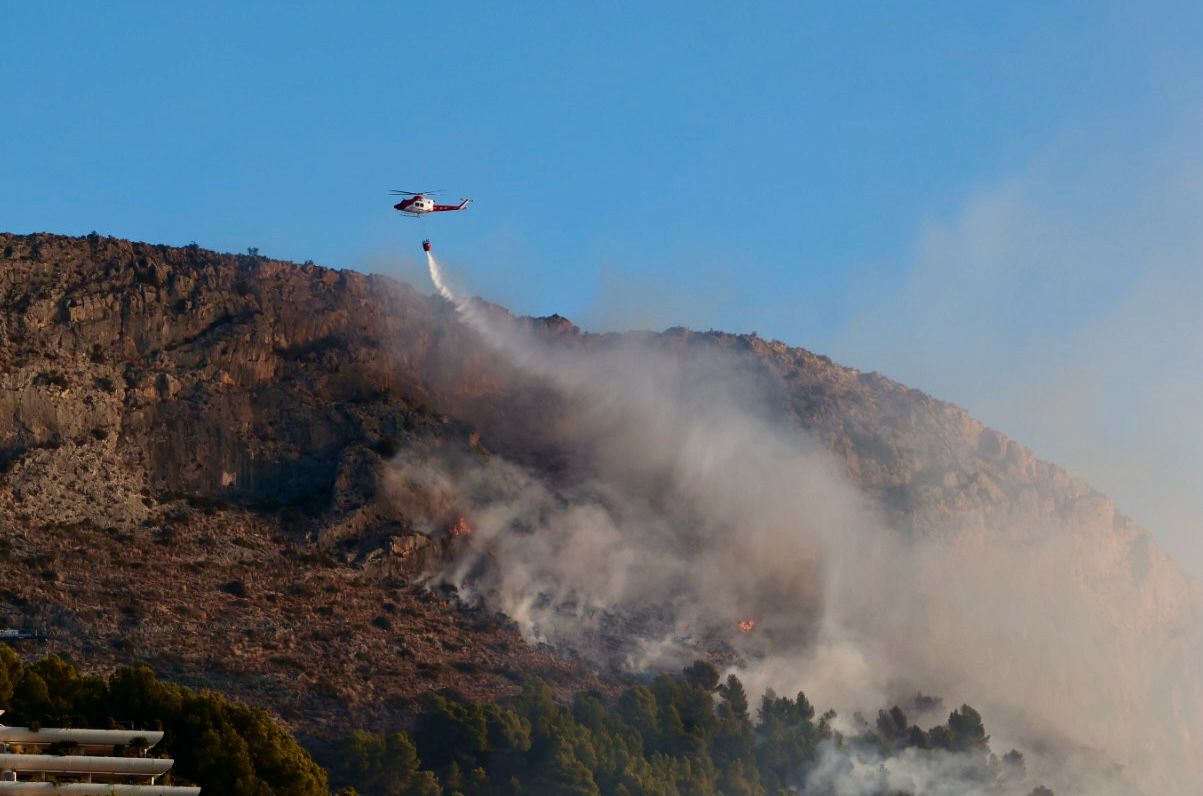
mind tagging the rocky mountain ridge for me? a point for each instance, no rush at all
(195, 421)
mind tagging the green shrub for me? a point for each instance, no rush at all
(223, 746)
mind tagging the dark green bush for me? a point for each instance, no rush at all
(223, 746)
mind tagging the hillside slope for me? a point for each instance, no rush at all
(190, 445)
(195, 454)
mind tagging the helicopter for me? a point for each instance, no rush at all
(419, 203)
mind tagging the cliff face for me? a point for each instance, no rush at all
(259, 400)
(191, 446)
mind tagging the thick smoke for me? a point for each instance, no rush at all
(860, 769)
(700, 505)
(687, 522)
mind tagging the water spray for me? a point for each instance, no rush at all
(462, 306)
(436, 276)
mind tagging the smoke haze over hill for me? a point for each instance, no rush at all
(1063, 303)
(699, 502)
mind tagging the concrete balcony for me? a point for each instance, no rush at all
(101, 741)
(93, 789)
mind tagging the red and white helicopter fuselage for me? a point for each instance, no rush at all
(419, 204)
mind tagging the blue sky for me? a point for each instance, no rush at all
(836, 175)
(797, 136)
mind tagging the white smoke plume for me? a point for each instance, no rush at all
(699, 505)
(861, 770)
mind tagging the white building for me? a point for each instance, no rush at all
(93, 770)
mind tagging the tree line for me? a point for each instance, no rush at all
(683, 735)
(678, 735)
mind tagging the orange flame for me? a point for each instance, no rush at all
(747, 626)
(461, 528)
